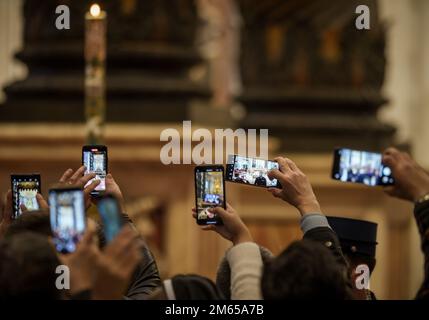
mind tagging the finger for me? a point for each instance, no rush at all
(388, 161)
(275, 192)
(78, 174)
(228, 207)
(84, 180)
(194, 215)
(66, 175)
(208, 228)
(23, 208)
(283, 166)
(91, 187)
(221, 212)
(291, 164)
(276, 174)
(43, 205)
(393, 152)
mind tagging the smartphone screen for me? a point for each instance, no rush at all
(361, 167)
(67, 215)
(209, 193)
(24, 191)
(94, 158)
(251, 171)
(111, 216)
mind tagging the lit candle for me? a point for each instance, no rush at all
(95, 58)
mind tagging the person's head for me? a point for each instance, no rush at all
(27, 267)
(305, 270)
(34, 221)
(223, 276)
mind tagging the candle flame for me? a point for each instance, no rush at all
(95, 10)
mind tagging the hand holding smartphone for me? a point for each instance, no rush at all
(94, 158)
(24, 191)
(67, 215)
(209, 193)
(251, 171)
(361, 167)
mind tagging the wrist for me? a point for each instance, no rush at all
(312, 206)
(242, 237)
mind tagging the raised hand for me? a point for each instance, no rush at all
(233, 228)
(296, 188)
(411, 180)
(116, 265)
(79, 180)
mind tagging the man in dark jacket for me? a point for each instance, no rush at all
(412, 184)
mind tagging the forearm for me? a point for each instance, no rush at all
(246, 271)
(421, 214)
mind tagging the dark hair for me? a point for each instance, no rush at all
(305, 270)
(27, 267)
(35, 221)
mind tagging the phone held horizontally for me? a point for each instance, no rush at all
(361, 167)
(209, 193)
(251, 171)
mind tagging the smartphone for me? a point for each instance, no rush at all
(361, 167)
(251, 171)
(67, 215)
(110, 213)
(24, 190)
(209, 193)
(94, 158)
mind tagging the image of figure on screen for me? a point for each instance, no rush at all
(253, 171)
(95, 162)
(209, 193)
(362, 167)
(67, 218)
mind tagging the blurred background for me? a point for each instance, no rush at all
(299, 68)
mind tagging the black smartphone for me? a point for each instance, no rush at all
(110, 213)
(251, 171)
(94, 158)
(24, 190)
(361, 167)
(67, 215)
(209, 193)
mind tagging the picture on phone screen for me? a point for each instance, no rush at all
(67, 215)
(209, 193)
(251, 171)
(94, 158)
(360, 167)
(24, 192)
(110, 216)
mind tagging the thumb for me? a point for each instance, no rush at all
(276, 174)
(43, 205)
(221, 213)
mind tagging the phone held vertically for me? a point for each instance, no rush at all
(67, 215)
(361, 167)
(94, 158)
(209, 193)
(24, 191)
(110, 213)
(251, 171)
